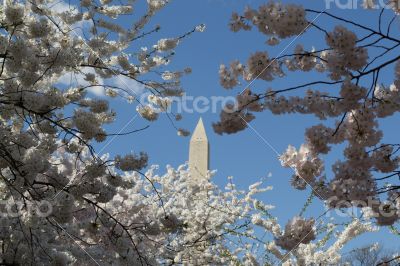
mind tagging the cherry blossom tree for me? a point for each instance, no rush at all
(64, 204)
(55, 188)
(345, 86)
(143, 218)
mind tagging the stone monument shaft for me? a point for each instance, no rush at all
(199, 152)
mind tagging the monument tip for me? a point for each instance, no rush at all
(199, 132)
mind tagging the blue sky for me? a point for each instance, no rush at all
(244, 155)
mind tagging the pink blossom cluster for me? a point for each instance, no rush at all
(348, 97)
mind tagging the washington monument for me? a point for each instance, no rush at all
(199, 152)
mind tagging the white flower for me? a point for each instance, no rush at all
(183, 132)
(156, 5)
(369, 4)
(131, 162)
(297, 231)
(201, 28)
(148, 112)
(14, 13)
(167, 44)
